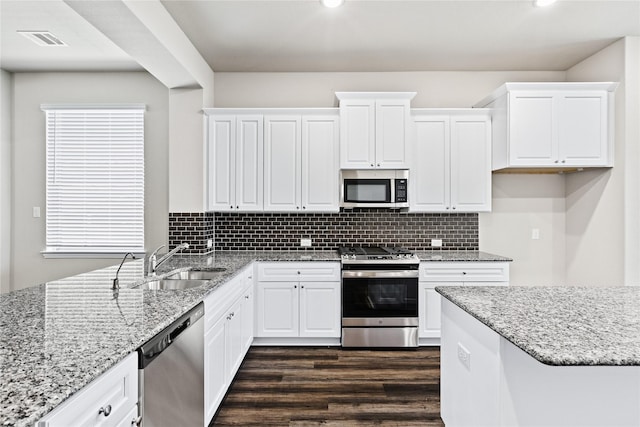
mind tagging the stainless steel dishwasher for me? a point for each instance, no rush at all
(171, 374)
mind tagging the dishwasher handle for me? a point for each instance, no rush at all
(156, 345)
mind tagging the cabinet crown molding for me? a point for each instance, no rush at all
(565, 86)
(375, 95)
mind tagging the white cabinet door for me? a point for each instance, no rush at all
(430, 174)
(249, 163)
(392, 124)
(221, 162)
(320, 145)
(582, 129)
(234, 341)
(247, 319)
(470, 164)
(532, 128)
(282, 160)
(320, 309)
(357, 132)
(430, 309)
(215, 367)
(277, 310)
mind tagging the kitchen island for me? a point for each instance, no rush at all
(540, 356)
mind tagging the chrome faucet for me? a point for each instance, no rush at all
(155, 263)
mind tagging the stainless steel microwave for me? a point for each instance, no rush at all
(374, 189)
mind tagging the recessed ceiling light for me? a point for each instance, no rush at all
(42, 38)
(543, 3)
(331, 3)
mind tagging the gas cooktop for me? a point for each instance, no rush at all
(353, 254)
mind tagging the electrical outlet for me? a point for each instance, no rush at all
(36, 211)
(535, 234)
(464, 356)
(305, 243)
(436, 243)
(209, 243)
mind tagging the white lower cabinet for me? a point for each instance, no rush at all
(455, 273)
(110, 400)
(228, 312)
(298, 300)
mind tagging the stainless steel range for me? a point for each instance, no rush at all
(379, 297)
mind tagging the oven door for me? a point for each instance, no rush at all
(380, 298)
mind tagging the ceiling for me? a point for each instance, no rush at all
(362, 35)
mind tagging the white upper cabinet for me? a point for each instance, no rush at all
(282, 162)
(274, 160)
(221, 162)
(320, 177)
(249, 163)
(374, 129)
(552, 125)
(451, 162)
(301, 163)
(235, 162)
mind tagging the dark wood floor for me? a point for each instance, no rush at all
(285, 386)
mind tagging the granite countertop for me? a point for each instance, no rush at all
(66, 333)
(61, 335)
(460, 256)
(560, 325)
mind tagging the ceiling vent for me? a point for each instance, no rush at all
(43, 38)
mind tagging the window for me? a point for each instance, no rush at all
(95, 180)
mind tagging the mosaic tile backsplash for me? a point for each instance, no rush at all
(283, 231)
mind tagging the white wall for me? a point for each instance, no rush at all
(33, 89)
(6, 99)
(521, 202)
(602, 205)
(186, 150)
(435, 89)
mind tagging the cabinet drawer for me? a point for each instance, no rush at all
(464, 271)
(116, 391)
(298, 271)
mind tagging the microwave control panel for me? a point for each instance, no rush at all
(401, 190)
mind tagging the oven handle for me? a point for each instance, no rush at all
(380, 273)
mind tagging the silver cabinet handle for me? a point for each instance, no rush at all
(105, 410)
(246, 297)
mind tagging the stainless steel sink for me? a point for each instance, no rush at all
(172, 284)
(196, 274)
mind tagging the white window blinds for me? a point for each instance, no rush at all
(95, 179)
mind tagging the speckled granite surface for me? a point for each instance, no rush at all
(59, 336)
(459, 256)
(560, 325)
